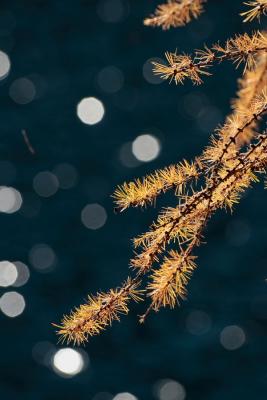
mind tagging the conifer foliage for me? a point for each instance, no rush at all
(175, 13)
(234, 159)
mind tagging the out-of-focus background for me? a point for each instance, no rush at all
(80, 113)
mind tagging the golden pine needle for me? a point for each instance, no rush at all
(256, 9)
(175, 13)
(170, 280)
(233, 160)
(240, 49)
(236, 125)
(251, 85)
(180, 223)
(144, 191)
(181, 67)
(99, 312)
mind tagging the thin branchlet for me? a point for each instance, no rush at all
(178, 224)
(183, 224)
(100, 311)
(234, 159)
(143, 192)
(224, 143)
(240, 49)
(175, 13)
(169, 281)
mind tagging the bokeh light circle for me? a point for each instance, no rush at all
(68, 362)
(146, 147)
(232, 337)
(8, 273)
(10, 200)
(93, 216)
(23, 274)
(42, 257)
(4, 65)
(110, 79)
(45, 184)
(90, 110)
(22, 91)
(169, 389)
(12, 304)
(124, 396)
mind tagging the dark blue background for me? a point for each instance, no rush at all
(66, 43)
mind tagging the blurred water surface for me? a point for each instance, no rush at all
(80, 113)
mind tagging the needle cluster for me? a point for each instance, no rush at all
(175, 13)
(143, 192)
(233, 160)
(256, 9)
(98, 312)
(242, 49)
